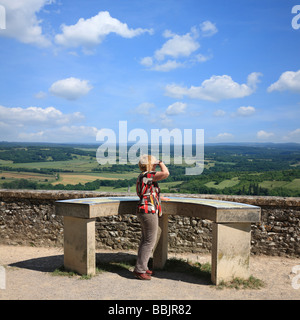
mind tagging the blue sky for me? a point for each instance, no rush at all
(70, 68)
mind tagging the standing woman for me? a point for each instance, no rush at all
(148, 210)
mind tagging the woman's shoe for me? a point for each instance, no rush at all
(142, 276)
(150, 272)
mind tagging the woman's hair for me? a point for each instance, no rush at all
(146, 162)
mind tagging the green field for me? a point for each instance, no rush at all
(11, 175)
(74, 178)
(228, 170)
(84, 164)
(293, 185)
(224, 184)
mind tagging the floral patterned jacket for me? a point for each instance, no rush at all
(149, 193)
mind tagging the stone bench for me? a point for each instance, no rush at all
(231, 231)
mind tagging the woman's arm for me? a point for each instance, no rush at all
(163, 174)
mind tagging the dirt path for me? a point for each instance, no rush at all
(28, 275)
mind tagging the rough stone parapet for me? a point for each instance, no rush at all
(27, 217)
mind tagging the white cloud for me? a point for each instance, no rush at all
(176, 108)
(167, 66)
(202, 58)
(146, 61)
(162, 118)
(295, 132)
(91, 32)
(35, 116)
(73, 134)
(40, 95)
(245, 111)
(78, 130)
(293, 136)
(219, 113)
(165, 120)
(70, 88)
(224, 136)
(288, 80)
(208, 28)
(176, 91)
(22, 22)
(216, 88)
(263, 135)
(179, 47)
(32, 136)
(144, 108)
(43, 124)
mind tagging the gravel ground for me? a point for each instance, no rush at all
(28, 275)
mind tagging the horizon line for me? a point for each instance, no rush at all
(132, 143)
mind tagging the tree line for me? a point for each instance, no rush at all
(42, 154)
(89, 186)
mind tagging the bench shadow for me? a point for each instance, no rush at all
(122, 264)
(42, 264)
(178, 270)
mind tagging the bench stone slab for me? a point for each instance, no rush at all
(214, 210)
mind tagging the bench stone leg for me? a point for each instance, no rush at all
(160, 254)
(79, 245)
(230, 251)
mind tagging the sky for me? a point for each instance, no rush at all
(70, 68)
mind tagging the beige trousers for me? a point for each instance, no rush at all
(150, 232)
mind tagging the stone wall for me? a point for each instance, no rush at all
(27, 217)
